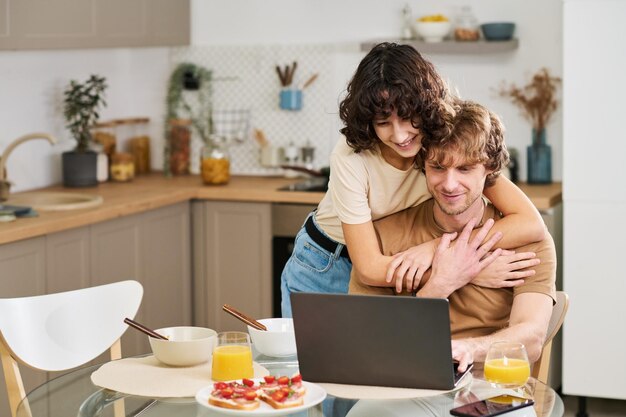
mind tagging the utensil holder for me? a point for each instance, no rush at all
(291, 99)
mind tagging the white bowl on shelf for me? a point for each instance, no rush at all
(432, 31)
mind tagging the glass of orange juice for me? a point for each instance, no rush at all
(232, 357)
(506, 365)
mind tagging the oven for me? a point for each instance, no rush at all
(287, 219)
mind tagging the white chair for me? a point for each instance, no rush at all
(542, 366)
(61, 331)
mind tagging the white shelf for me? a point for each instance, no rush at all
(451, 46)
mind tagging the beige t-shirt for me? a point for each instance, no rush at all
(364, 187)
(474, 311)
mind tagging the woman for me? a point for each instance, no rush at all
(394, 99)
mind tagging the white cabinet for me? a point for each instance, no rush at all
(594, 195)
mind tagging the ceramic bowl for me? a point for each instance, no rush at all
(432, 31)
(278, 341)
(498, 31)
(186, 345)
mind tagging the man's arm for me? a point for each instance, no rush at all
(528, 324)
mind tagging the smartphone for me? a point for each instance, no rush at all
(491, 406)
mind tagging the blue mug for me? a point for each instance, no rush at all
(290, 99)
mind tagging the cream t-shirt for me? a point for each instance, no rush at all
(364, 187)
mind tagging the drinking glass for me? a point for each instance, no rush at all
(232, 357)
(506, 365)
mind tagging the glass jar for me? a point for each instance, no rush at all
(179, 146)
(215, 163)
(122, 167)
(466, 28)
(139, 145)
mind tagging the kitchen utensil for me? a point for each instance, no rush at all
(310, 81)
(239, 315)
(322, 172)
(144, 329)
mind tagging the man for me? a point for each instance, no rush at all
(457, 169)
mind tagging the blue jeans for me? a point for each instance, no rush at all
(312, 268)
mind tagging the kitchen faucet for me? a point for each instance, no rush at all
(5, 185)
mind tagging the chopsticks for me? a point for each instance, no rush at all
(239, 315)
(144, 329)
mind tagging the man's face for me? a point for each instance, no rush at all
(457, 187)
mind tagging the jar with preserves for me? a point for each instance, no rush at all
(466, 27)
(215, 162)
(179, 146)
(122, 167)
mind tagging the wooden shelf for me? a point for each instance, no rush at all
(451, 46)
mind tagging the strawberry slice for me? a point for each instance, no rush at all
(250, 395)
(247, 382)
(278, 396)
(296, 378)
(269, 379)
(283, 380)
(227, 392)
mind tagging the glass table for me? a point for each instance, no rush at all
(74, 394)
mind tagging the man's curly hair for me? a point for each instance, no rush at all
(393, 77)
(475, 133)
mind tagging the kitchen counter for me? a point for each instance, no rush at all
(154, 191)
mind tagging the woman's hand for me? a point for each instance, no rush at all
(507, 270)
(408, 267)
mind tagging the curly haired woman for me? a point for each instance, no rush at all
(394, 100)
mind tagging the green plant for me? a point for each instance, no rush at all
(196, 79)
(537, 99)
(82, 102)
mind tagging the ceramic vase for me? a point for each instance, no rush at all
(539, 159)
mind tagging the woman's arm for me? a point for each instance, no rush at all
(522, 224)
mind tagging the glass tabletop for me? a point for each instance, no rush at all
(74, 394)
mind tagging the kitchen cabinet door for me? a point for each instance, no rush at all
(232, 262)
(22, 273)
(166, 266)
(60, 24)
(67, 260)
(115, 255)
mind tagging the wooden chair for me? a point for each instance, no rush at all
(542, 366)
(61, 331)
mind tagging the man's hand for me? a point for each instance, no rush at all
(456, 265)
(507, 270)
(408, 267)
(463, 353)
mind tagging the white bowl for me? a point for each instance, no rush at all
(186, 345)
(279, 340)
(432, 31)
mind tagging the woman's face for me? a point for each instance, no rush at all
(401, 141)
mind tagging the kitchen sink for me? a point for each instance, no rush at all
(319, 185)
(55, 201)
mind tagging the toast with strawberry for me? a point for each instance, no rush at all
(282, 392)
(235, 395)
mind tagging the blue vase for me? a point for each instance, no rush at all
(539, 159)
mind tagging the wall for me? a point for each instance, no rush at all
(31, 83)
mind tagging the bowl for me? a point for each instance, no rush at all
(432, 31)
(498, 31)
(278, 340)
(186, 345)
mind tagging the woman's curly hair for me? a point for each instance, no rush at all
(393, 77)
(476, 134)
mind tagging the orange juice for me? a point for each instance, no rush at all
(507, 372)
(232, 362)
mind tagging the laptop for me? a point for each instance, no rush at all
(374, 340)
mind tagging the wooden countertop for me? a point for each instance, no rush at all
(153, 191)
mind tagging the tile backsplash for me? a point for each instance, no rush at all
(246, 82)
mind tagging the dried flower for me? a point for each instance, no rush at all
(537, 99)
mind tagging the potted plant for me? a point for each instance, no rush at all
(82, 102)
(538, 102)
